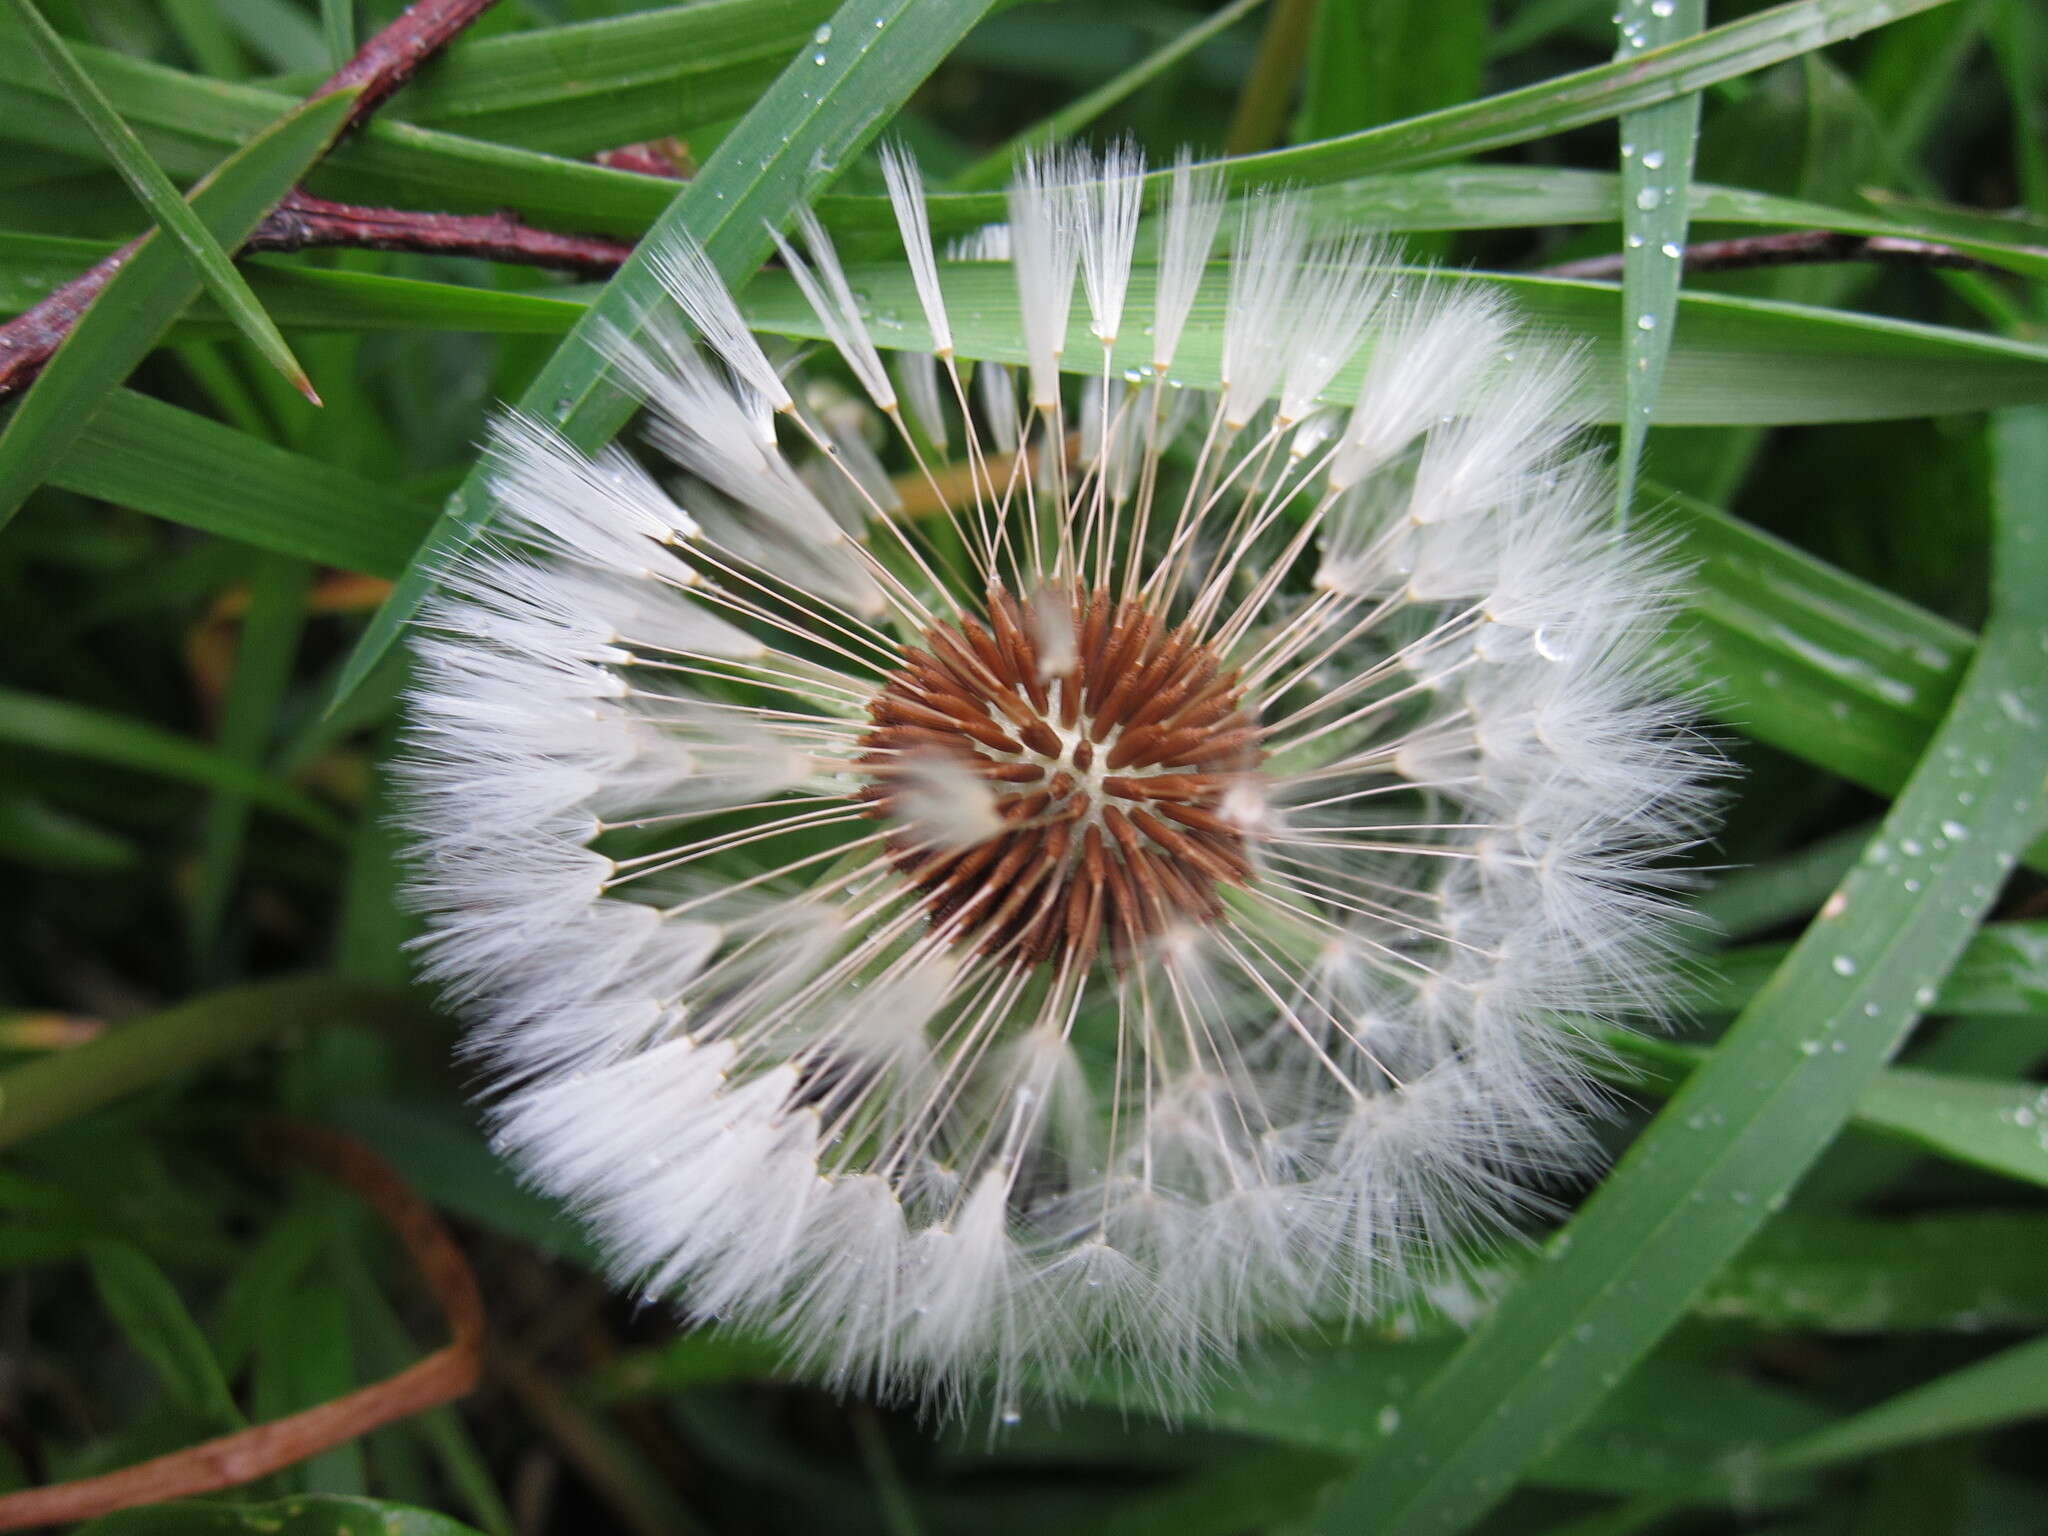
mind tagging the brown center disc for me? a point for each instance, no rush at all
(1108, 778)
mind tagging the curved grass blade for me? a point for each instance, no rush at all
(1777, 1089)
(1999, 1126)
(308, 298)
(156, 194)
(820, 112)
(1736, 362)
(2009, 1386)
(1642, 79)
(62, 1086)
(2003, 972)
(594, 85)
(994, 167)
(142, 1300)
(139, 302)
(1656, 175)
(56, 725)
(189, 123)
(140, 452)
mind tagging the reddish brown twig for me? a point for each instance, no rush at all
(1798, 248)
(380, 66)
(448, 1373)
(395, 53)
(301, 223)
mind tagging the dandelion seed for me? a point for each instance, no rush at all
(1122, 909)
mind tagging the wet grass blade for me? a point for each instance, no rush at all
(1656, 176)
(1772, 1095)
(171, 212)
(141, 300)
(820, 112)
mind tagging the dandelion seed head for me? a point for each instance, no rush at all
(1064, 876)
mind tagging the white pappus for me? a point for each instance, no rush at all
(1120, 885)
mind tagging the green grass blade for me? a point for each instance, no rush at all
(993, 168)
(155, 192)
(1734, 362)
(2009, 1386)
(139, 302)
(1587, 96)
(1515, 196)
(189, 123)
(814, 118)
(263, 668)
(1729, 1147)
(62, 1086)
(1656, 176)
(139, 1297)
(2003, 972)
(338, 26)
(308, 298)
(1989, 1123)
(74, 730)
(593, 85)
(174, 464)
(1999, 1126)
(1749, 901)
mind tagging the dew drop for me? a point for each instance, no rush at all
(1954, 831)
(1648, 198)
(1653, 159)
(1843, 965)
(1670, 248)
(1389, 1419)
(1646, 322)
(823, 35)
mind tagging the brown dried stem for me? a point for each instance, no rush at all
(448, 1373)
(302, 223)
(383, 64)
(1797, 248)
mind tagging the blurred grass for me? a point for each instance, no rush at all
(196, 852)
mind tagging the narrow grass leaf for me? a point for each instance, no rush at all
(37, 833)
(820, 112)
(1736, 361)
(1641, 79)
(155, 192)
(76, 730)
(175, 464)
(142, 1300)
(2009, 1386)
(47, 1092)
(139, 302)
(309, 298)
(1999, 1126)
(993, 168)
(1777, 1089)
(2003, 972)
(264, 660)
(1657, 145)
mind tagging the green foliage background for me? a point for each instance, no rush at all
(1809, 1297)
